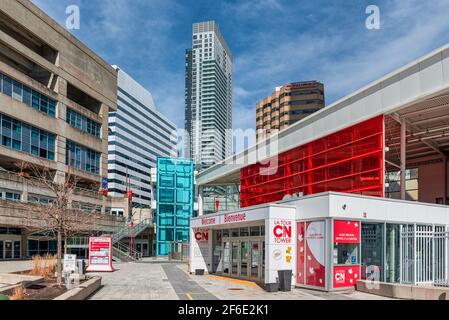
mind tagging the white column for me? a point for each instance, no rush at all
(200, 200)
(445, 179)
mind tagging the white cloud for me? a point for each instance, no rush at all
(345, 57)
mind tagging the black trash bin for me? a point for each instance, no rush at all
(285, 280)
(199, 272)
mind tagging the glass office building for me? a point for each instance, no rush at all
(175, 193)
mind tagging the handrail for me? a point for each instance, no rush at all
(125, 231)
(116, 239)
(125, 249)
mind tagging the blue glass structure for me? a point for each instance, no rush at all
(174, 196)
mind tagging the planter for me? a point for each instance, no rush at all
(199, 272)
(272, 287)
(83, 291)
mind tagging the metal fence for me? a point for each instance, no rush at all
(179, 251)
(424, 255)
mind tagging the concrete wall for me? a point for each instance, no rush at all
(403, 291)
(75, 64)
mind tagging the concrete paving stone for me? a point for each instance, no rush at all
(157, 279)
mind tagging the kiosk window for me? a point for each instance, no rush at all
(346, 253)
(244, 232)
(254, 231)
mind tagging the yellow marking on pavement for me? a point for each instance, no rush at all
(189, 296)
(232, 280)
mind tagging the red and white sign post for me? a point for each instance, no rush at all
(100, 254)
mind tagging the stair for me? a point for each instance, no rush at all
(125, 232)
(122, 252)
(119, 255)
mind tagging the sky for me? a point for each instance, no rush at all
(273, 42)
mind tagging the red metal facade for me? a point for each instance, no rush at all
(350, 160)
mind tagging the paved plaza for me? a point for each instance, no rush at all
(163, 280)
(154, 279)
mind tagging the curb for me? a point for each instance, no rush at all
(85, 290)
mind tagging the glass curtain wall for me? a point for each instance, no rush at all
(223, 198)
(380, 252)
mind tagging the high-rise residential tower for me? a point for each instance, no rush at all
(208, 105)
(287, 105)
(139, 134)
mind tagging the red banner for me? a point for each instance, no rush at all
(300, 255)
(346, 276)
(346, 231)
(315, 253)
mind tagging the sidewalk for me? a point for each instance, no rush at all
(14, 266)
(135, 281)
(232, 289)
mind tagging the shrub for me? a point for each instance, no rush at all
(18, 293)
(44, 266)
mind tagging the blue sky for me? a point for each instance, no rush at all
(273, 42)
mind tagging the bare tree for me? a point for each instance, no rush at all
(56, 217)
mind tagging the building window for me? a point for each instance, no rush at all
(82, 158)
(118, 212)
(38, 199)
(10, 195)
(22, 137)
(83, 123)
(24, 94)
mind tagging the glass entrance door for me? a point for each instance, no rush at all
(255, 260)
(8, 252)
(263, 262)
(235, 258)
(244, 250)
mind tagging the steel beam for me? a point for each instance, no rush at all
(403, 157)
(412, 128)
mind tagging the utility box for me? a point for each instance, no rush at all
(81, 267)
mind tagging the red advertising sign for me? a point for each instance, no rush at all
(282, 231)
(202, 235)
(100, 254)
(346, 276)
(346, 231)
(300, 254)
(315, 269)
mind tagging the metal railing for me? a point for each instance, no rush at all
(126, 251)
(125, 232)
(424, 251)
(179, 251)
(117, 244)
